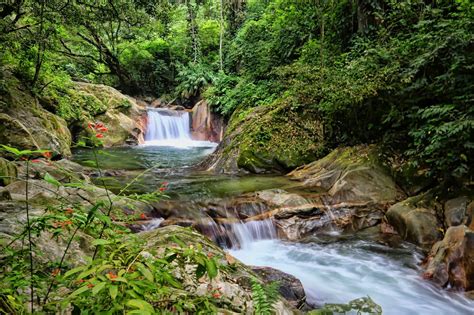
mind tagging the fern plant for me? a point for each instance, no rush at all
(264, 297)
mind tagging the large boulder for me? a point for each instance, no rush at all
(451, 260)
(273, 138)
(206, 125)
(25, 124)
(416, 219)
(234, 278)
(351, 174)
(121, 114)
(457, 211)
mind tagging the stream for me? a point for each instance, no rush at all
(333, 269)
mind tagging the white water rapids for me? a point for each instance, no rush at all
(345, 270)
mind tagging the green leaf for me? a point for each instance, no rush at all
(141, 305)
(113, 290)
(211, 268)
(73, 271)
(79, 291)
(98, 288)
(50, 179)
(102, 242)
(145, 272)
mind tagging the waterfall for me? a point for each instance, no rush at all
(164, 124)
(166, 127)
(239, 234)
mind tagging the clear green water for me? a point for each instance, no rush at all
(174, 166)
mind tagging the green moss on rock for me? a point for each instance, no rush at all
(25, 124)
(8, 172)
(273, 138)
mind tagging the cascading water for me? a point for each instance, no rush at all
(166, 127)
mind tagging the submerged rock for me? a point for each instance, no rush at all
(273, 138)
(451, 260)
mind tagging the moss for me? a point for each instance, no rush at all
(25, 124)
(271, 138)
(8, 172)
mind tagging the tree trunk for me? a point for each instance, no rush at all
(221, 37)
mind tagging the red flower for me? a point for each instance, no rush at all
(89, 125)
(55, 272)
(103, 129)
(112, 275)
(35, 161)
(216, 295)
(99, 135)
(69, 211)
(47, 154)
(81, 281)
(142, 216)
(162, 189)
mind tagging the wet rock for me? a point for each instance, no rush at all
(451, 260)
(290, 287)
(8, 172)
(455, 211)
(416, 219)
(321, 219)
(206, 125)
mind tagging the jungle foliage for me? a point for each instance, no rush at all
(392, 72)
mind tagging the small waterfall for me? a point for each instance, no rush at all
(239, 234)
(164, 124)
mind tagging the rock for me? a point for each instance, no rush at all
(352, 174)
(25, 124)
(264, 139)
(455, 211)
(451, 260)
(4, 194)
(206, 125)
(321, 219)
(415, 219)
(63, 170)
(234, 281)
(290, 287)
(8, 172)
(118, 112)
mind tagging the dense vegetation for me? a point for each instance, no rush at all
(393, 72)
(396, 73)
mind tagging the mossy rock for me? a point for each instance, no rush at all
(351, 174)
(265, 139)
(8, 172)
(26, 125)
(416, 219)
